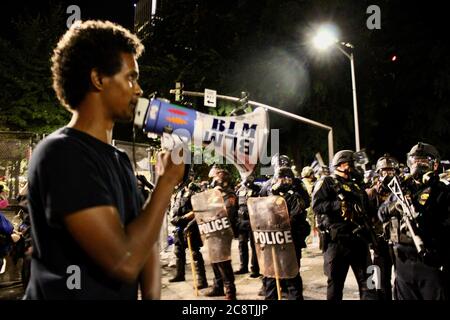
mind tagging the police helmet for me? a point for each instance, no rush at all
(421, 159)
(341, 157)
(281, 161)
(307, 172)
(387, 162)
(284, 161)
(424, 150)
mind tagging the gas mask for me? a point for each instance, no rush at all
(420, 165)
(422, 159)
(218, 183)
(386, 176)
(282, 185)
(356, 175)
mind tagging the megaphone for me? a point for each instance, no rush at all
(240, 139)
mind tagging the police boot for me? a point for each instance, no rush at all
(202, 283)
(230, 296)
(230, 292)
(215, 292)
(243, 255)
(179, 276)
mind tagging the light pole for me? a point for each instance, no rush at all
(326, 38)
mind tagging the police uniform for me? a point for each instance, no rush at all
(244, 230)
(223, 271)
(343, 247)
(383, 255)
(297, 200)
(181, 206)
(421, 277)
(386, 168)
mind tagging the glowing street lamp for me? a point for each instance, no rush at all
(325, 38)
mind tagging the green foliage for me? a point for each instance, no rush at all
(27, 100)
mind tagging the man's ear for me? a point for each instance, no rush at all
(96, 80)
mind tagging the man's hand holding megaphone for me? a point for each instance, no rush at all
(167, 170)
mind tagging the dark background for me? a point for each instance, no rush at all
(260, 46)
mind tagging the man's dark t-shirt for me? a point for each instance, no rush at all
(71, 171)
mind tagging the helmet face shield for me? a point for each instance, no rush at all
(285, 180)
(360, 157)
(284, 172)
(387, 163)
(354, 159)
(280, 161)
(218, 182)
(387, 172)
(421, 159)
(419, 165)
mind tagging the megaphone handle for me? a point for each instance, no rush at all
(168, 144)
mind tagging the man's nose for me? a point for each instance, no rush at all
(138, 90)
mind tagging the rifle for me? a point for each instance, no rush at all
(361, 219)
(366, 225)
(409, 216)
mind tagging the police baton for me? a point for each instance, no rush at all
(188, 237)
(277, 277)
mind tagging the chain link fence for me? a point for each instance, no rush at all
(15, 153)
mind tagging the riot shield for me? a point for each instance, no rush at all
(269, 219)
(213, 224)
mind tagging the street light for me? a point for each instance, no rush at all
(325, 38)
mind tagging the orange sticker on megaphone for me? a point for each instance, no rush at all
(176, 120)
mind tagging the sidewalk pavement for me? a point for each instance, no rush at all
(314, 281)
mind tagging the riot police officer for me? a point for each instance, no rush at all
(339, 203)
(309, 179)
(421, 240)
(386, 168)
(223, 271)
(247, 189)
(292, 190)
(181, 218)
